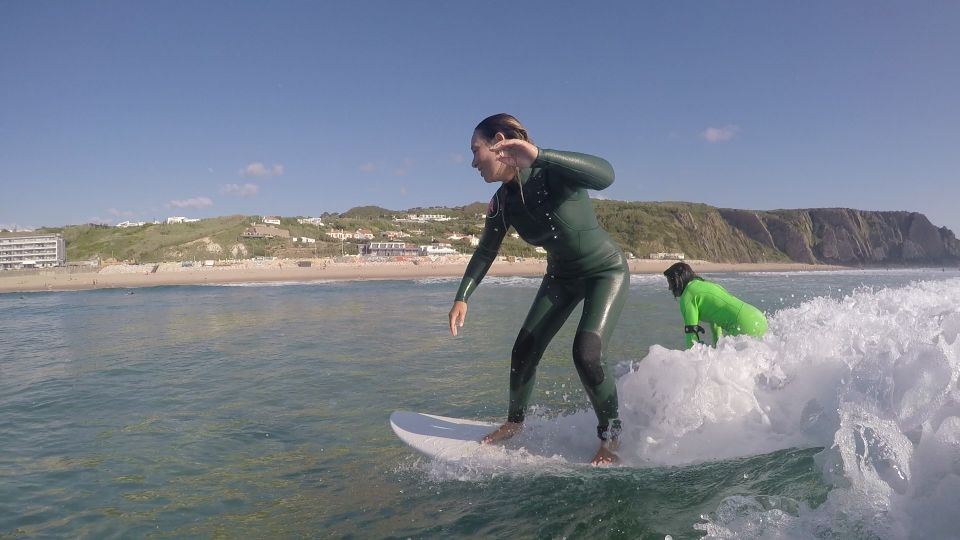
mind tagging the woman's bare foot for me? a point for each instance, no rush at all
(604, 457)
(507, 430)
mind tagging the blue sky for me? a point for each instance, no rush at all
(118, 110)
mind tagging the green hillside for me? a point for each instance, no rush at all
(696, 230)
(700, 231)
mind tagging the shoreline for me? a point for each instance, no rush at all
(166, 274)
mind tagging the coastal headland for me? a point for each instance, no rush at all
(329, 269)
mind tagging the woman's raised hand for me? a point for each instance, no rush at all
(515, 153)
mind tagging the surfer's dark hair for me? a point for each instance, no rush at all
(502, 123)
(511, 129)
(678, 276)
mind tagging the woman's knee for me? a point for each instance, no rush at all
(588, 357)
(523, 358)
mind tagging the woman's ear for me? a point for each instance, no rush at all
(499, 137)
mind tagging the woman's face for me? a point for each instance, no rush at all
(670, 287)
(486, 162)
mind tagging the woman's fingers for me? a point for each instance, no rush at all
(514, 152)
(458, 314)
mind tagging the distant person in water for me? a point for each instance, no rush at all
(543, 196)
(703, 301)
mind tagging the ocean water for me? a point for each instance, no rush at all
(261, 411)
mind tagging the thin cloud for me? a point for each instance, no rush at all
(403, 169)
(259, 170)
(457, 158)
(194, 202)
(121, 213)
(240, 190)
(721, 134)
(368, 168)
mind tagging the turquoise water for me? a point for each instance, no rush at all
(262, 411)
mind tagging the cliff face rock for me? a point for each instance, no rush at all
(712, 236)
(849, 237)
(822, 235)
(789, 237)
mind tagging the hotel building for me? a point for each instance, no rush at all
(35, 251)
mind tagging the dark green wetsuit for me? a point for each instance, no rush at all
(583, 263)
(705, 301)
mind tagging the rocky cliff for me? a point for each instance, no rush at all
(824, 235)
(848, 237)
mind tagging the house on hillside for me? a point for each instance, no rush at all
(271, 220)
(438, 248)
(264, 231)
(180, 219)
(339, 234)
(667, 256)
(420, 218)
(388, 249)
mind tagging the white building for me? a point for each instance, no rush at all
(265, 231)
(126, 224)
(388, 249)
(180, 219)
(36, 251)
(473, 239)
(339, 234)
(304, 240)
(667, 256)
(311, 221)
(271, 220)
(438, 249)
(425, 217)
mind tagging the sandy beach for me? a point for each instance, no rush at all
(153, 275)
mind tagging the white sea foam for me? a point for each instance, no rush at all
(513, 281)
(648, 279)
(871, 377)
(436, 280)
(535, 281)
(880, 272)
(273, 283)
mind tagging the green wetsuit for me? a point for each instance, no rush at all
(705, 301)
(583, 263)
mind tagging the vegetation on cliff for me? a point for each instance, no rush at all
(825, 235)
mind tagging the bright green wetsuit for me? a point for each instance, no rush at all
(583, 263)
(705, 301)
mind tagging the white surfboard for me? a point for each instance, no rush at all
(439, 436)
(458, 440)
